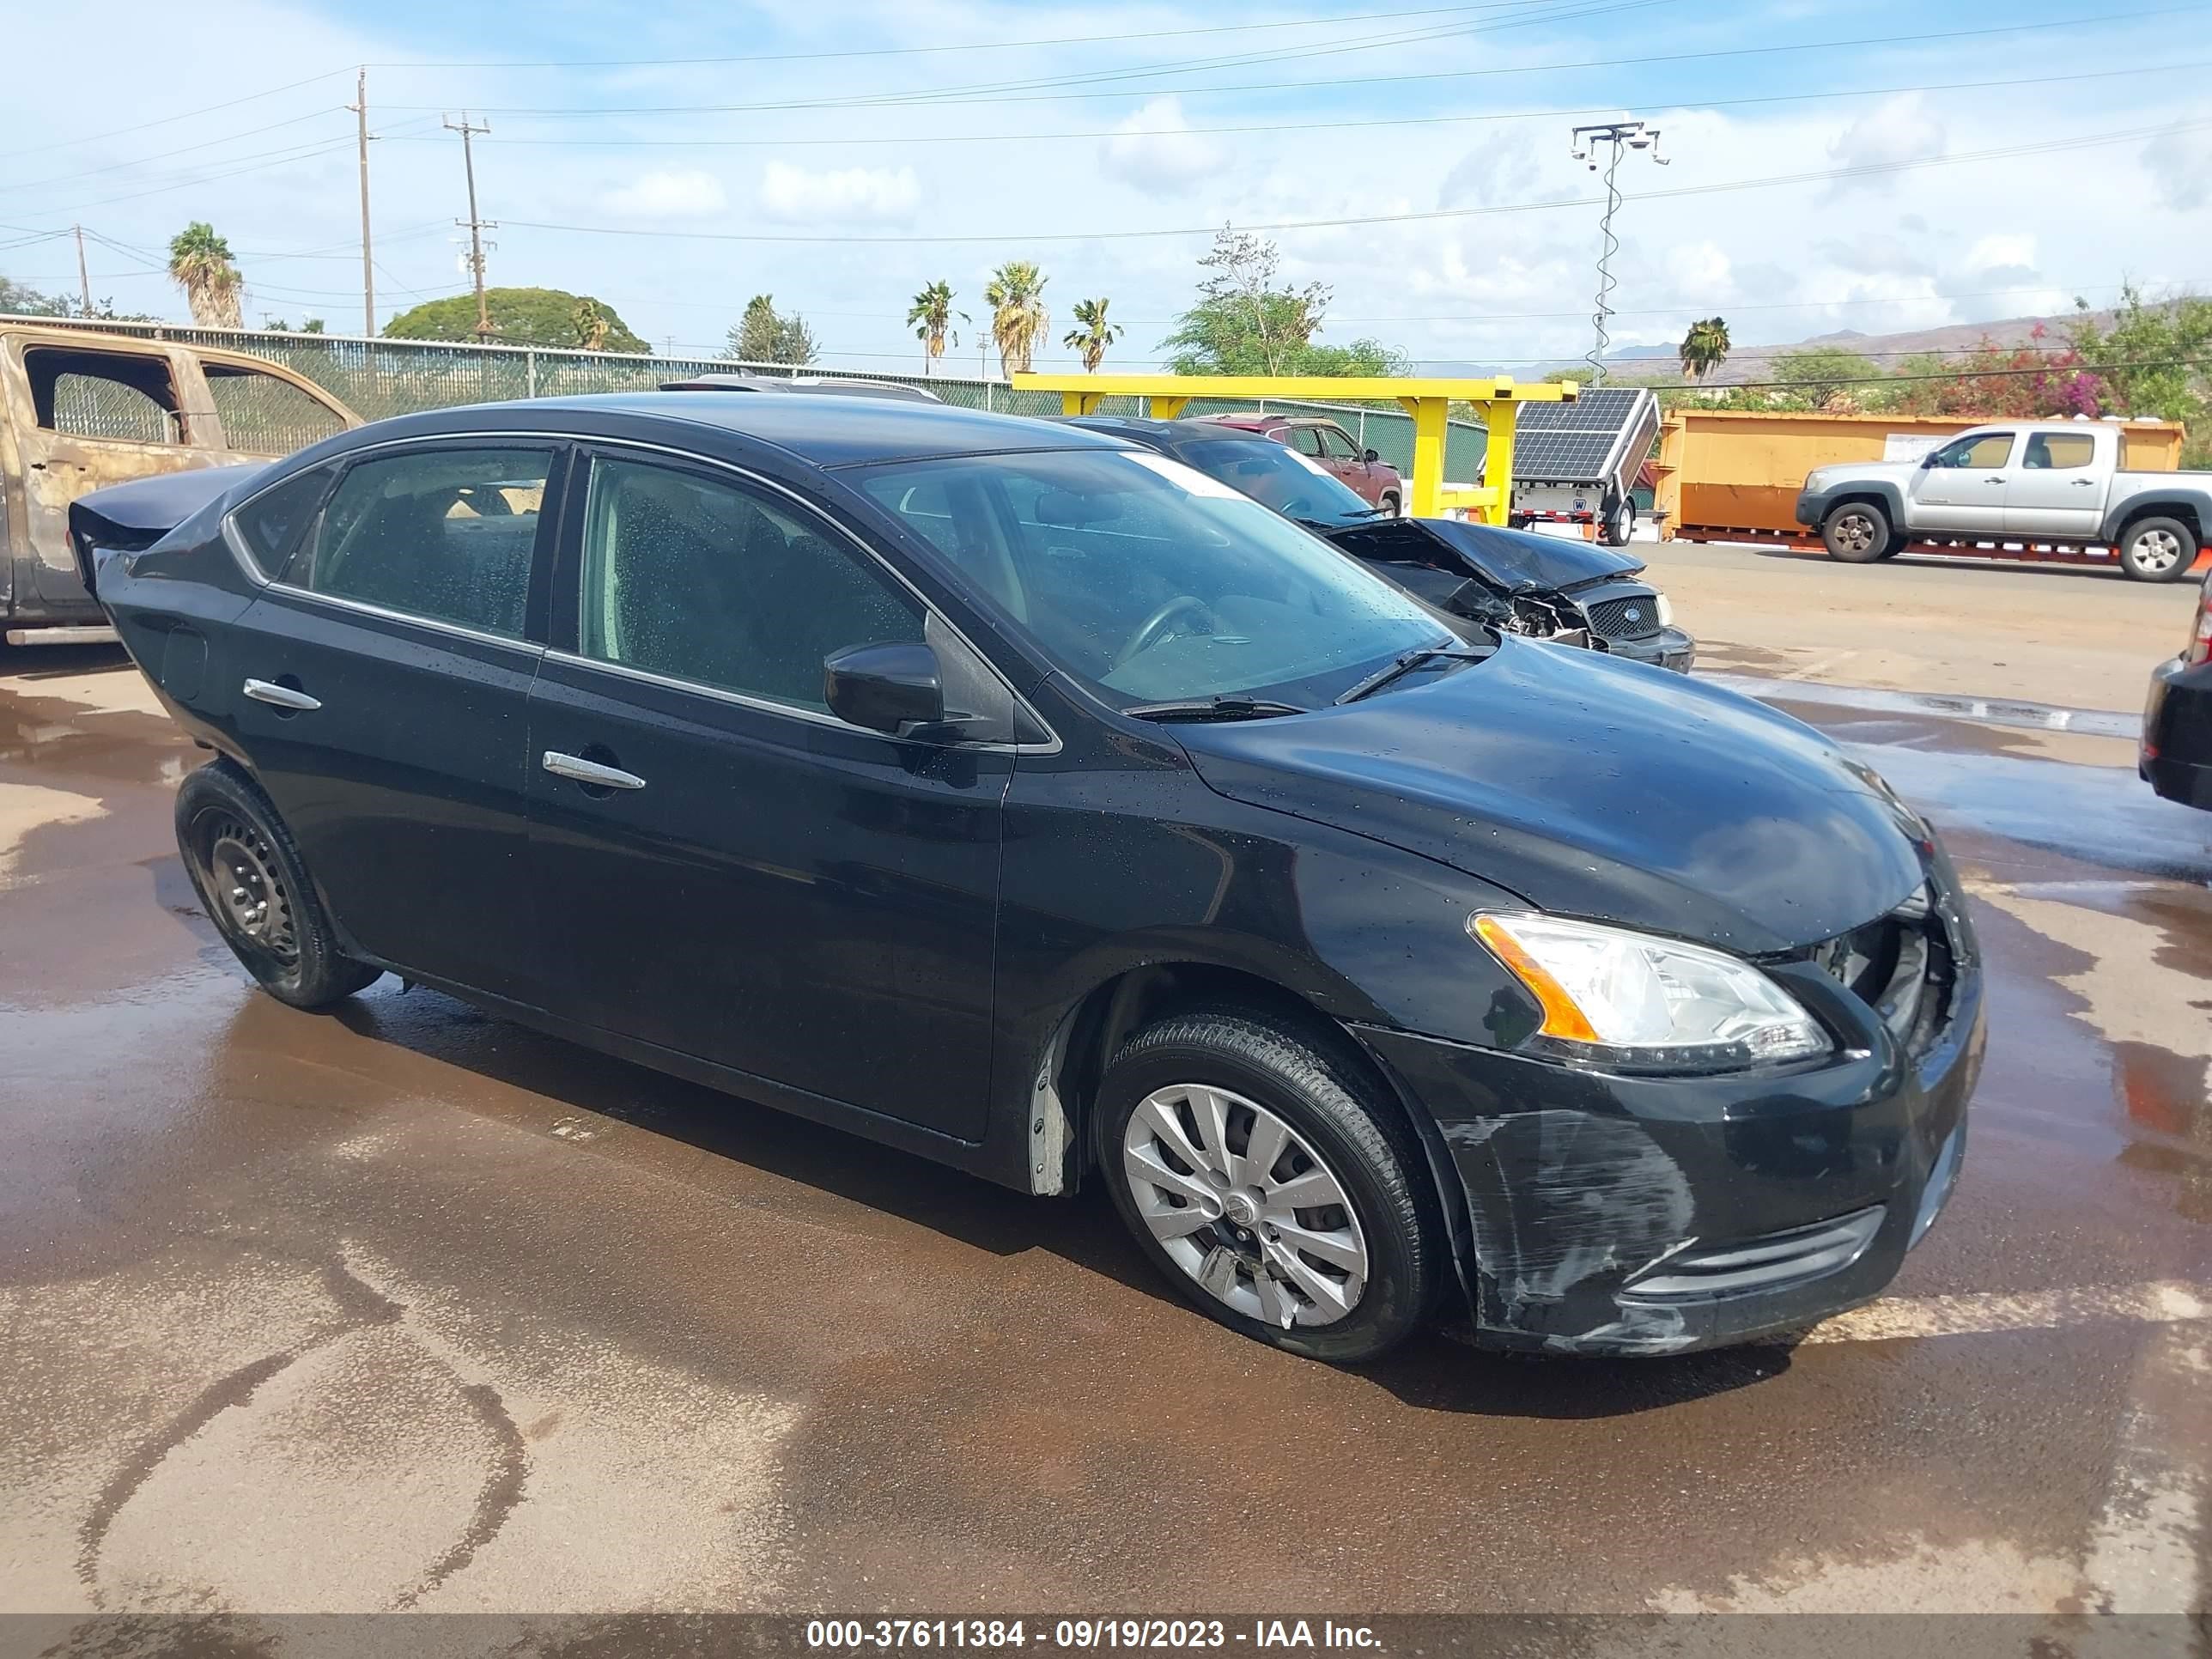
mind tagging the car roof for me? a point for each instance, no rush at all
(1161, 433)
(834, 429)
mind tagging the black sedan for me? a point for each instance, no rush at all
(1515, 581)
(1024, 799)
(2176, 755)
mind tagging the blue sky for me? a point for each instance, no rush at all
(826, 160)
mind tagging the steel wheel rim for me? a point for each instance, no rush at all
(1244, 1206)
(1857, 530)
(2158, 549)
(245, 891)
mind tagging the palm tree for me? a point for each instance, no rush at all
(930, 318)
(1095, 335)
(1016, 296)
(200, 264)
(1704, 347)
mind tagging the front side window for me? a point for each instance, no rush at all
(1306, 440)
(1337, 445)
(703, 580)
(2059, 452)
(1150, 580)
(129, 396)
(1985, 449)
(446, 534)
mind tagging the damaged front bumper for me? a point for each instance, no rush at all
(1620, 1215)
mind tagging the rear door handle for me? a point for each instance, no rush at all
(284, 696)
(2083, 483)
(584, 771)
(1995, 478)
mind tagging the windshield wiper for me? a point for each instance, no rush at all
(1407, 664)
(1215, 708)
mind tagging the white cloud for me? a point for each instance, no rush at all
(2179, 163)
(1154, 150)
(1501, 170)
(687, 194)
(1899, 129)
(798, 196)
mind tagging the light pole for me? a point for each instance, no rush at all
(1612, 137)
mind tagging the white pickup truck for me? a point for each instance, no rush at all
(2047, 483)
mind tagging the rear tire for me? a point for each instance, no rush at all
(1618, 525)
(1335, 1233)
(2158, 549)
(255, 890)
(1855, 532)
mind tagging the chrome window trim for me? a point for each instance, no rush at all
(460, 630)
(235, 538)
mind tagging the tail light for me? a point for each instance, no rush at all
(2200, 642)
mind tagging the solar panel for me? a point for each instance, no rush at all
(1580, 442)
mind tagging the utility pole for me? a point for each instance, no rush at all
(1614, 137)
(83, 282)
(477, 227)
(360, 108)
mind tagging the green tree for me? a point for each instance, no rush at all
(762, 335)
(520, 316)
(21, 299)
(1246, 322)
(1092, 335)
(200, 264)
(1818, 376)
(2164, 350)
(1704, 347)
(1019, 320)
(931, 317)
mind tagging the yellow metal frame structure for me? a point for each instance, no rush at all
(1428, 401)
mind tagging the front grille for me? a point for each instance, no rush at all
(1901, 965)
(1635, 617)
(1765, 1263)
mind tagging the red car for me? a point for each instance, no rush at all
(1329, 447)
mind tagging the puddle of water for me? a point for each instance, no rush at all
(1988, 711)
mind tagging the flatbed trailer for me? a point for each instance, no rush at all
(2014, 552)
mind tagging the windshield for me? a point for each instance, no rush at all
(1274, 475)
(1151, 581)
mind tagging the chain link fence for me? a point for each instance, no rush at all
(377, 378)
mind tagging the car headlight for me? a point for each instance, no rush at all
(1666, 611)
(1627, 1000)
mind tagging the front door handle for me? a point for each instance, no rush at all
(2083, 483)
(1995, 478)
(584, 771)
(282, 696)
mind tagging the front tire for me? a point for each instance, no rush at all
(1252, 1167)
(1855, 532)
(255, 889)
(2158, 549)
(1389, 504)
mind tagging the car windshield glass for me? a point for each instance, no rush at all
(1150, 581)
(1276, 476)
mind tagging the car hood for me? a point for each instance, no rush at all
(1532, 564)
(1897, 472)
(1595, 787)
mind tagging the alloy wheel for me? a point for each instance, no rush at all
(251, 902)
(1855, 532)
(1243, 1204)
(2157, 552)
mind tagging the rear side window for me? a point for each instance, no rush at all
(2060, 452)
(270, 523)
(447, 534)
(705, 581)
(263, 414)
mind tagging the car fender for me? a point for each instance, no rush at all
(2190, 505)
(1813, 506)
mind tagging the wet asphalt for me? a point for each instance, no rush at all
(405, 1307)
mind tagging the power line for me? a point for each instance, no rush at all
(1650, 60)
(164, 120)
(1530, 115)
(1865, 170)
(915, 52)
(141, 160)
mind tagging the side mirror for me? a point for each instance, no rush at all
(884, 688)
(1374, 455)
